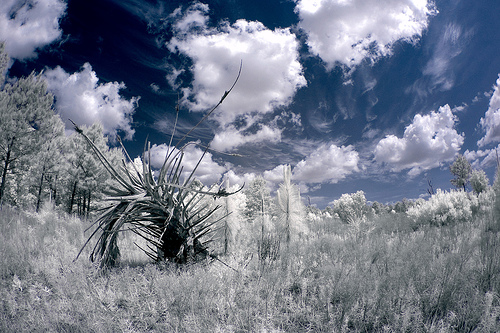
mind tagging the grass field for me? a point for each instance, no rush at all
(383, 278)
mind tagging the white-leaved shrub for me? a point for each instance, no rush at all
(351, 208)
(485, 201)
(443, 208)
(496, 191)
(478, 181)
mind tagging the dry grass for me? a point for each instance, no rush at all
(435, 279)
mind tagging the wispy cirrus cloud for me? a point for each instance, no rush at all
(348, 31)
(427, 142)
(26, 26)
(81, 98)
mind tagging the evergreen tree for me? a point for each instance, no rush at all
(86, 178)
(49, 163)
(25, 111)
(4, 60)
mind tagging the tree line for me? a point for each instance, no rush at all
(38, 162)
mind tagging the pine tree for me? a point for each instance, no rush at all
(86, 178)
(25, 111)
(4, 59)
(49, 162)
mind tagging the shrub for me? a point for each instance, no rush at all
(479, 181)
(442, 208)
(351, 208)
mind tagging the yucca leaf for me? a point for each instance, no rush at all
(226, 93)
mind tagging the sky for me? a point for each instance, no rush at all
(372, 95)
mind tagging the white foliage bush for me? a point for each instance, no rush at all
(241, 229)
(485, 201)
(479, 181)
(444, 208)
(351, 208)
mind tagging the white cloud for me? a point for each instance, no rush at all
(271, 71)
(239, 179)
(208, 172)
(348, 31)
(80, 98)
(491, 121)
(426, 143)
(327, 163)
(28, 25)
(449, 46)
(275, 175)
(154, 87)
(482, 159)
(231, 137)
(194, 17)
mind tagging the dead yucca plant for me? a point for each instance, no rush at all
(168, 214)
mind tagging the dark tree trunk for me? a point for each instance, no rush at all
(72, 200)
(83, 201)
(88, 203)
(5, 169)
(40, 187)
(54, 190)
(4, 176)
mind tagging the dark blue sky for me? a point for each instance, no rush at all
(375, 95)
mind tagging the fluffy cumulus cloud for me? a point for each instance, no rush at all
(81, 98)
(231, 137)
(348, 31)
(426, 143)
(239, 179)
(271, 71)
(491, 121)
(482, 159)
(208, 172)
(28, 25)
(328, 163)
(275, 175)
